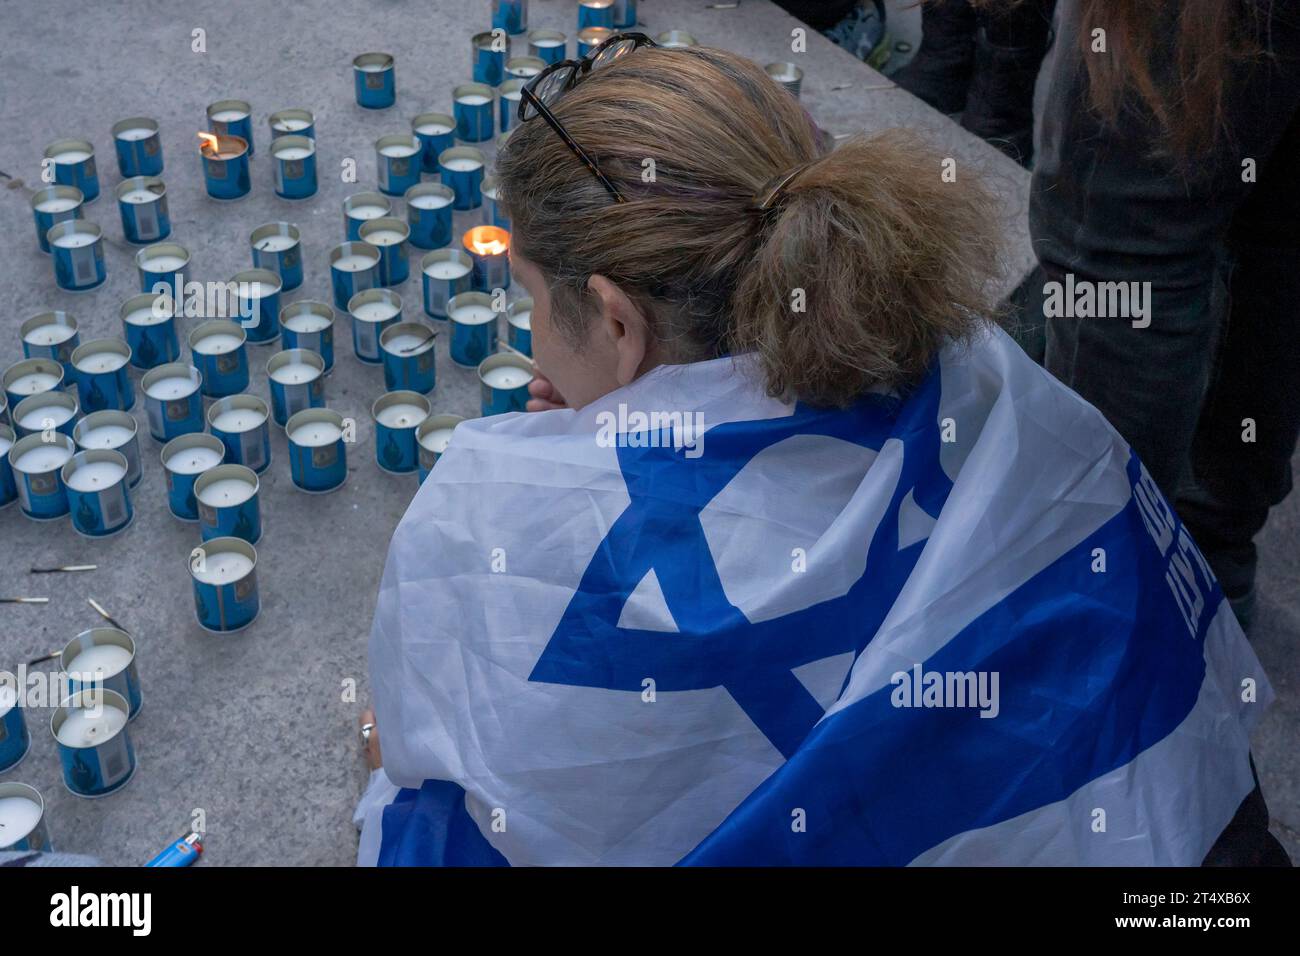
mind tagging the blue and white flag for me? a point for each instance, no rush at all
(694, 624)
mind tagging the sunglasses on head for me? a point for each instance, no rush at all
(546, 88)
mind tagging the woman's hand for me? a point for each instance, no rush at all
(543, 394)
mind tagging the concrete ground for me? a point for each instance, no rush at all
(257, 730)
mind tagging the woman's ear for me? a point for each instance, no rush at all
(623, 326)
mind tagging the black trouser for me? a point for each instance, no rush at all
(1223, 256)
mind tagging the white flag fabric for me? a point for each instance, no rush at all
(694, 624)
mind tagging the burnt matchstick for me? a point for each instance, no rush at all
(420, 344)
(41, 660)
(24, 600)
(105, 615)
(65, 567)
(507, 347)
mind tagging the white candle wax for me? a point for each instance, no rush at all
(462, 164)
(5, 445)
(99, 362)
(139, 195)
(147, 316)
(224, 567)
(429, 201)
(217, 343)
(164, 263)
(473, 314)
(432, 129)
(256, 289)
(315, 434)
(8, 697)
(45, 416)
(447, 270)
(106, 436)
(96, 476)
(167, 389)
(39, 460)
(523, 320)
(292, 152)
(86, 728)
(193, 461)
(304, 322)
(71, 156)
(290, 125)
(373, 67)
(506, 377)
(74, 240)
(295, 373)
(375, 311)
(384, 237)
(513, 95)
(18, 818)
(473, 99)
(398, 150)
(353, 263)
(56, 204)
(100, 661)
(33, 383)
(238, 420)
(436, 440)
(401, 416)
(135, 133)
(367, 212)
(409, 343)
(49, 334)
(276, 243)
(228, 116)
(226, 493)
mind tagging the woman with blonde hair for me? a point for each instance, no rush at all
(801, 560)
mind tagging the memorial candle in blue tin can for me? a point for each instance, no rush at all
(15, 741)
(276, 248)
(389, 236)
(142, 202)
(46, 412)
(354, 268)
(232, 118)
(595, 13)
(446, 273)
(397, 415)
(217, 351)
(139, 147)
(294, 161)
(398, 161)
(185, 458)
(494, 211)
(114, 431)
(241, 422)
(473, 328)
(22, 809)
(433, 436)
(162, 269)
(461, 168)
(519, 323)
(257, 294)
(93, 741)
(591, 37)
(297, 381)
(472, 107)
(508, 102)
(37, 466)
(547, 45)
(489, 249)
(77, 250)
(428, 213)
(228, 503)
(103, 380)
(224, 572)
(436, 132)
(74, 165)
(293, 123)
(103, 656)
(173, 401)
(488, 53)
(523, 68)
(149, 325)
(624, 14)
(503, 383)
(361, 207)
(54, 204)
(375, 80)
(226, 174)
(51, 335)
(31, 377)
(8, 488)
(676, 40)
(308, 325)
(408, 357)
(98, 496)
(372, 312)
(317, 450)
(510, 15)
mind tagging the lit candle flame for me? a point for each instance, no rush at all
(487, 240)
(208, 144)
(493, 247)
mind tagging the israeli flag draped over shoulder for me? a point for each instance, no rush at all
(693, 624)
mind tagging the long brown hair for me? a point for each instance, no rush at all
(867, 263)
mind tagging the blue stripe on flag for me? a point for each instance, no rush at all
(431, 827)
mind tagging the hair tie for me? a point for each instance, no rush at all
(775, 187)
